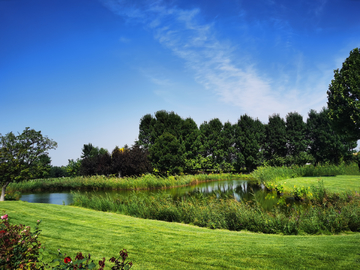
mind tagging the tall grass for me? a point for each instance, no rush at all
(323, 214)
(147, 181)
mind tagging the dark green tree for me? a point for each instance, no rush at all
(325, 144)
(43, 167)
(130, 161)
(344, 97)
(211, 141)
(57, 171)
(103, 163)
(89, 151)
(296, 134)
(74, 167)
(19, 156)
(276, 140)
(146, 131)
(167, 154)
(185, 131)
(249, 139)
(227, 143)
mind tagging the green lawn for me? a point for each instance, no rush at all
(337, 184)
(162, 245)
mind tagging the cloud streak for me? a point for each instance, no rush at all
(184, 32)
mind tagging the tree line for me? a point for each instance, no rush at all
(169, 144)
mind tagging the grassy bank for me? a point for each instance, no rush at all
(163, 245)
(147, 181)
(322, 213)
(269, 174)
(334, 184)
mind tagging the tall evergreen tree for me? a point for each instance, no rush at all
(190, 138)
(276, 139)
(167, 154)
(325, 144)
(227, 146)
(210, 139)
(296, 134)
(249, 139)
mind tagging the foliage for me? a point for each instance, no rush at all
(344, 97)
(211, 140)
(65, 262)
(130, 162)
(56, 171)
(73, 167)
(296, 136)
(325, 144)
(167, 154)
(20, 156)
(249, 137)
(275, 138)
(19, 247)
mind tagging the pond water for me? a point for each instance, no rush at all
(239, 189)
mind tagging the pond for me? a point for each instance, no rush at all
(239, 189)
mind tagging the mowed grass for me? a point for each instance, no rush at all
(335, 184)
(162, 245)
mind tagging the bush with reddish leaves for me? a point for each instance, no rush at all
(81, 262)
(19, 248)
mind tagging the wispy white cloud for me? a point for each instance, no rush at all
(211, 60)
(318, 8)
(124, 40)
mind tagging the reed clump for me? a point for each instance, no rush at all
(323, 213)
(100, 182)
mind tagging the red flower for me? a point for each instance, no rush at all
(102, 263)
(2, 231)
(67, 260)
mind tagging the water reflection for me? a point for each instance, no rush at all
(239, 189)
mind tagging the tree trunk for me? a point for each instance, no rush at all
(2, 197)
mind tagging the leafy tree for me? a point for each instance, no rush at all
(276, 139)
(89, 151)
(249, 138)
(296, 134)
(103, 164)
(167, 154)
(145, 138)
(185, 131)
(19, 156)
(43, 168)
(227, 146)
(210, 139)
(87, 166)
(190, 138)
(130, 161)
(325, 144)
(74, 167)
(344, 97)
(57, 171)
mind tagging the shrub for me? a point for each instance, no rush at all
(19, 248)
(81, 262)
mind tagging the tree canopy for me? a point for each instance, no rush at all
(344, 97)
(21, 156)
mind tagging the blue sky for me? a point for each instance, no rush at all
(86, 71)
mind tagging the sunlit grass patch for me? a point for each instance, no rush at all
(336, 184)
(164, 245)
